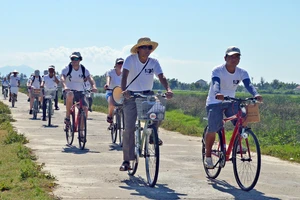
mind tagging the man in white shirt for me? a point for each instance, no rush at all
(73, 77)
(50, 81)
(225, 80)
(14, 82)
(35, 83)
(138, 61)
(5, 85)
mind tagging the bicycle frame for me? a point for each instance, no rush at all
(79, 106)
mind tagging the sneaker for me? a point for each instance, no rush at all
(160, 142)
(30, 112)
(109, 119)
(44, 119)
(244, 149)
(208, 163)
(9, 100)
(57, 108)
(28, 100)
(90, 109)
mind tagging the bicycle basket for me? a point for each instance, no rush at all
(36, 92)
(252, 114)
(50, 93)
(150, 109)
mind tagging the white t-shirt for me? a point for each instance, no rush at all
(75, 81)
(5, 83)
(49, 82)
(145, 80)
(35, 82)
(228, 82)
(14, 80)
(115, 79)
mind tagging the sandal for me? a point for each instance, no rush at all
(125, 166)
(109, 119)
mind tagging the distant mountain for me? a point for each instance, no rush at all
(21, 69)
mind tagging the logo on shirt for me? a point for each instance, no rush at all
(149, 71)
(236, 82)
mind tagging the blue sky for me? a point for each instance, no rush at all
(192, 35)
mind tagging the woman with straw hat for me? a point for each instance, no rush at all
(138, 76)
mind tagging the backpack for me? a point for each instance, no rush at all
(40, 79)
(71, 68)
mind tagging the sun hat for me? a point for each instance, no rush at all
(232, 50)
(51, 67)
(144, 41)
(15, 71)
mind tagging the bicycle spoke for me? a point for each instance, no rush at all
(246, 161)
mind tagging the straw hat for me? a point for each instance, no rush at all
(144, 41)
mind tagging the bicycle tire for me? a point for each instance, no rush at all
(49, 111)
(135, 163)
(4, 94)
(121, 127)
(113, 130)
(151, 154)
(246, 164)
(217, 150)
(82, 130)
(70, 130)
(35, 107)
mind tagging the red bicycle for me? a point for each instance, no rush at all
(77, 124)
(243, 149)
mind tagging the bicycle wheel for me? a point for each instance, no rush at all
(246, 159)
(151, 153)
(35, 108)
(49, 111)
(4, 94)
(121, 127)
(135, 163)
(217, 154)
(113, 127)
(70, 129)
(82, 130)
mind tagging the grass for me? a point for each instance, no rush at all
(21, 177)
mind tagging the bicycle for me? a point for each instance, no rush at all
(77, 124)
(244, 146)
(14, 92)
(117, 127)
(5, 92)
(49, 96)
(150, 110)
(35, 93)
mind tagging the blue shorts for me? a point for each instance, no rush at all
(215, 115)
(108, 94)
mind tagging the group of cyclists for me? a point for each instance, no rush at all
(135, 74)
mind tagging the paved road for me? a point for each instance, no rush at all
(94, 173)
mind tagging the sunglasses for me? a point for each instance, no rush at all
(120, 63)
(146, 47)
(75, 59)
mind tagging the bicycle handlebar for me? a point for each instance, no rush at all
(241, 100)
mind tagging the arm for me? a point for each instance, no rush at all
(251, 89)
(63, 81)
(93, 84)
(215, 81)
(108, 79)
(165, 83)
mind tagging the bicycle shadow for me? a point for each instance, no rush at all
(140, 189)
(115, 147)
(51, 126)
(76, 150)
(238, 193)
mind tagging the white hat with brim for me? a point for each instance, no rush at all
(15, 71)
(142, 42)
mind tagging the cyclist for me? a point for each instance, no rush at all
(28, 86)
(113, 79)
(50, 81)
(225, 80)
(35, 83)
(72, 79)
(138, 62)
(5, 84)
(14, 81)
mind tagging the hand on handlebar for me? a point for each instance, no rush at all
(105, 86)
(259, 98)
(94, 90)
(219, 97)
(169, 94)
(126, 94)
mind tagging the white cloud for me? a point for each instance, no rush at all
(100, 59)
